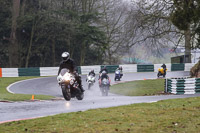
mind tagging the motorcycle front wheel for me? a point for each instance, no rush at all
(66, 93)
(89, 86)
(106, 91)
(158, 74)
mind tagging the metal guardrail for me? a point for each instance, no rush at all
(52, 71)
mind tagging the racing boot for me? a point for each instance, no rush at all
(81, 88)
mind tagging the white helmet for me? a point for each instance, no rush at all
(65, 56)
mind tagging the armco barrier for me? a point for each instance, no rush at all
(157, 66)
(87, 69)
(177, 67)
(79, 69)
(111, 68)
(188, 66)
(0, 72)
(182, 86)
(53, 71)
(29, 71)
(48, 71)
(10, 72)
(145, 68)
(129, 68)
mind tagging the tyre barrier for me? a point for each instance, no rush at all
(182, 85)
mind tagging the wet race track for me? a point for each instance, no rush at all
(93, 99)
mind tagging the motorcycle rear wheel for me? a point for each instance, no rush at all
(80, 96)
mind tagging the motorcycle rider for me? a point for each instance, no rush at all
(120, 69)
(103, 69)
(68, 63)
(164, 68)
(91, 73)
(103, 75)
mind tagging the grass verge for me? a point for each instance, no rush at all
(177, 115)
(139, 88)
(5, 95)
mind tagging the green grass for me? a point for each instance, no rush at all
(171, 116)
(5, 95)
(139, 88)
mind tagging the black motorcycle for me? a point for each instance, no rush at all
(69, 85)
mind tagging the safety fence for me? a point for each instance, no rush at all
(145, 68)
(127, 68)
(182, 86)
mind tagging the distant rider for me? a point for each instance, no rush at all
(92, 73)
(103, 69)
(68, 63)
(104, 75)
(164, 68)
(120, 69)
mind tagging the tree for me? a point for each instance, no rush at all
(151, 26)
(185, 16)
(5, 27)
(13, 48)
(114, 20)
(68, 27)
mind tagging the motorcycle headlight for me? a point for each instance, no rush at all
(67, 76)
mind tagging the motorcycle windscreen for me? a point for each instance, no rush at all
(117, 72)
(105, 81)
(63, 71)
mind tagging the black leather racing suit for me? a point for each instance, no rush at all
(92, 73)
(164, 67)
(69, 64)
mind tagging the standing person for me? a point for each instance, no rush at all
(68, 63)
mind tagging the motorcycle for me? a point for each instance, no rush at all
(90, 80)
(161, 72)
(104, 85)
(118, 75)
(69, 85)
